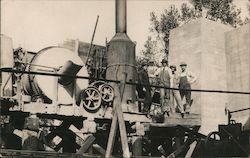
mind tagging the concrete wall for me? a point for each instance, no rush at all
(201, 44)
(185, 45)
(238, 68)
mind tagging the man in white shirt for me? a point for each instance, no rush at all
(186, 79)
(175, 95)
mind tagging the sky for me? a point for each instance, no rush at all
(36, 24)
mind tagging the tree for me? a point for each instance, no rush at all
(223, 10)
(247, 19)
(168, 20)
(248, 6)
(188, 13)
(149, 51)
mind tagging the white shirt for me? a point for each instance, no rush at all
(152, 71)
(190, 76)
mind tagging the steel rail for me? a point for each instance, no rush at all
(116, 81)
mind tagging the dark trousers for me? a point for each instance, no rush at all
(147, 101)
(146, 96)
(185, 85)
(187, 94)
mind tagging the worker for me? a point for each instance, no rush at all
(152, 70)
(186, 79)
(164, 79)
(144, 90)
(175, 94)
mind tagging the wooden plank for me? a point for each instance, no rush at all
(99, 149)
(121, 122)
(189, 120)
(114, 124)
(137, 146)
(77, 131)
(38, 154)
(87, 143)
(112, 135)
(191, 149)
(123, 133)
(118, 118)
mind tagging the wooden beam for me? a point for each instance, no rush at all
(87, 143)
(191, 149)
(99, 149)
(121, 122)
(38, 154)
(114, 124)
(77, 131)
(123, 132)
(137, 146)
(180, 149)
(118, 119)
(112, 133)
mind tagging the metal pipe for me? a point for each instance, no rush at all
(92, 39)
(239, 110)
(121, 16)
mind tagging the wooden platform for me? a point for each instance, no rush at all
(40, 154)
(175, 119)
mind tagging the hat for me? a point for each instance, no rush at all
(164, 61)
(172, 66)
(183, 64)
(144, 63)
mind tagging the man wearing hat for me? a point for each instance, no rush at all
(164, 79)
(175, 95)
(186, 79)
(144, 92)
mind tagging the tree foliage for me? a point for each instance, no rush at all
(216, 10)
(247, 19)
(168, 20)
(248, 6)
(223, 10)
(149, 51)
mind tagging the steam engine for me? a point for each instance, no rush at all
(44, 88)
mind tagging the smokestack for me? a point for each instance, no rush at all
(121, 16)
(121, 57)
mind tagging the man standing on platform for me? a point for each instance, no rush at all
(186, 79)
(152, 72)
(175, 95)
(164, 79)
(144, 92)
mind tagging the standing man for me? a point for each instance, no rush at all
(164, 79)
(144, 92)
(175, 95)
(152, 71)
(186, 79)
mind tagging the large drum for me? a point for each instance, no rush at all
(55, 60)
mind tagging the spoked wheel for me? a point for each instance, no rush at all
(213, 136)
(212, 144)
(97, 84)
(91, 99)
(107, 92)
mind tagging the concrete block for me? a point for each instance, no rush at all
(238, 68)
(201, 44)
